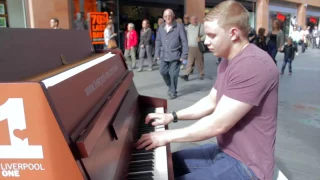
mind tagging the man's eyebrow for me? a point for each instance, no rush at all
(211, 34)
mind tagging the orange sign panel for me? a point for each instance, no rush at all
(98, 22)
(32, 145)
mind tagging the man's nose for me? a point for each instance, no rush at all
(206, 41)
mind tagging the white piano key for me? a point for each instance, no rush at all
(160, 156)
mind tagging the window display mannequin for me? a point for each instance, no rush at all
(79, 23)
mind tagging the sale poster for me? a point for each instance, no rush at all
(98, 22)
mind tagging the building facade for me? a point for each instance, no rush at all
(71, 13)
(301, 13)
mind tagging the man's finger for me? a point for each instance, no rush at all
(151, 146)
(144, 144)
(158, 122)
(143, 138)
(150, 117)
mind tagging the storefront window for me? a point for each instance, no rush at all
(82, 8)
(3, 14)
(12, 14)
(284, 19)
(312, 21)
(252, 19)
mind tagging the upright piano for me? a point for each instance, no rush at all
(68, 112)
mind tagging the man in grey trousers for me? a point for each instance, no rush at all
(171, 49)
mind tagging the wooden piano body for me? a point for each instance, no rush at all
(67, 112)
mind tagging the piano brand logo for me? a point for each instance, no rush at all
(100, 80)
(17, 144)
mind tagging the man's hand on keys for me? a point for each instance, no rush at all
(159, 118)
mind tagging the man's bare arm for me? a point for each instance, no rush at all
(200, 109)
(225, 116)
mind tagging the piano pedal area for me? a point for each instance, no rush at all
(148, 164)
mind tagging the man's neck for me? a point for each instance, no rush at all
(237, 48)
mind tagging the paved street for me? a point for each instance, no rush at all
(298, 137)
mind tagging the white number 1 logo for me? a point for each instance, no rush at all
(13, 111)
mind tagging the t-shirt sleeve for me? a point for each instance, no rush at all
(249, 81)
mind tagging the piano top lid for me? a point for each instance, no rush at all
(28, 52)
(63, 69)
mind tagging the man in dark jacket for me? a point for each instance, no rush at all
(171, 49)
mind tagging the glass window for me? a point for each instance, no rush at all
(12, 14)
(284, 18)
(82, 8)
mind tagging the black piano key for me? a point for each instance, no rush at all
(140, 134)
(139, 178)
(141, 158)
(139, 169)
(141, 126)
(146, 130)
(141, 150)
(141, 165)
(140, 155)
(141, 175)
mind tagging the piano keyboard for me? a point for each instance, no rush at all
(152, 164)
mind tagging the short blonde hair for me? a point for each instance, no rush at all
(230, 13)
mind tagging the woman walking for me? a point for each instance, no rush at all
(276, 40)
(145, 46)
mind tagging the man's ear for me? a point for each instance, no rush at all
(234, 33)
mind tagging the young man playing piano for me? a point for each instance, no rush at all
(240, 111)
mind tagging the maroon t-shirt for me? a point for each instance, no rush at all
(251, 77)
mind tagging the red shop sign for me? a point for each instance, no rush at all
(313, 20)
(281, 17)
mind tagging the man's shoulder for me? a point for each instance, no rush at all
(161, 28)
(255, 59)
(180, 26)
